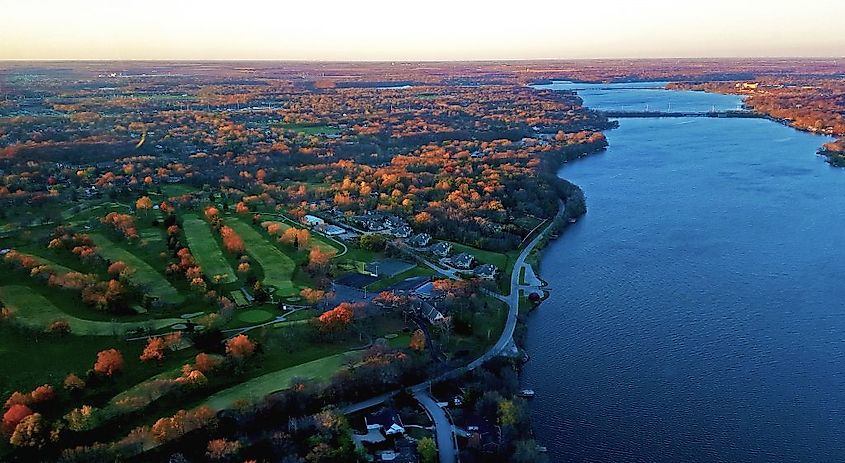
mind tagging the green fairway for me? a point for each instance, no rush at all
(255, 316)
(35, 311)
(278, 268)
(143, 276)
(206, 250)
(258, 388)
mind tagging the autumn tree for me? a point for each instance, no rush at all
(109, 362)
(206, 363)
(417, 340)
(73, 383)
(338, 318)
(13, 416)
(240, 347)
(30, 432)
(144, 203)
(222, 449)
(318, 261)
(232, 242)
(154, 350)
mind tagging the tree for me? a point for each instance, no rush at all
(231, 240)
(289, 237)
(222, 449)
(339, 318)
(241, 208)
(206, 363)
(154, 350)
(318, 261)
(82, 419)
(144, 203)
(508, 413)
(43, 393)
(74, 383)
(427, 449)
(109, 362)
(59, 327)
(14, 415)
(240, 347)
(417, 340)
(30, 432)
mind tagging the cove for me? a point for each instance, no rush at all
(697, 311)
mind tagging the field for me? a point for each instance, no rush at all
(143, 276)
(205, 249)
(261, 386)
(35, 311)
(278, 267)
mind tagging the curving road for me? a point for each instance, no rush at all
(446, 442)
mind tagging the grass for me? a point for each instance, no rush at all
(49, 359)
(143, 276)
(261, 386)
(383, 283)
(238, 298)
(205, 249)
(278, 268)
(35, 311)
(255, 316)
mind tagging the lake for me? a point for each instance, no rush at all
(697, 312)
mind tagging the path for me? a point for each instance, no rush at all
(443, 427)
(446, 441)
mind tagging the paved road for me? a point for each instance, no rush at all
(443, 427)
(446, 443)
(506, 339)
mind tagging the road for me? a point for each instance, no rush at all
(443, 427)
(446, 442)
(506, 339)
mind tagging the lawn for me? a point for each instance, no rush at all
(143, 276)
(253, 316)
(278, 268)
(205, 249)
(261, 386)
(35, 311)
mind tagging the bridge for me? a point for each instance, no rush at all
(739, 113)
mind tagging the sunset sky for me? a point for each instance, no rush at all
(422, 30)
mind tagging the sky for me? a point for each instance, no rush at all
(418, 30)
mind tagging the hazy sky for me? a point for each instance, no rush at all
(414, 30)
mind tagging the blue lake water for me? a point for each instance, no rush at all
(697, 312)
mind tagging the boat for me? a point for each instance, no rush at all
(542, 449)
(526, 393)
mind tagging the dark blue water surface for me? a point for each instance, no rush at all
(697, 312)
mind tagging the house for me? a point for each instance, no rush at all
(386, 420)
(313, 221)
(402, 232)
(487, 271)
(442, 249)
(332, 230)
(483, 434)
(420, 241)
(430, 313)
(463, 261)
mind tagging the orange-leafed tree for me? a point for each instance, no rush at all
(231, 240)
(154, 350)
(109, 362)
(144, 203)
(206, 363)
(13, 416)
(241, 208)
(417, 341)
(338, 318)
(240, 347)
